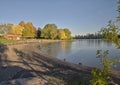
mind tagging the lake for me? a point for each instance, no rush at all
(81, 51)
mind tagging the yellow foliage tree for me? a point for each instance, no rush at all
(29, 30)
(61, 34)
(17, 29)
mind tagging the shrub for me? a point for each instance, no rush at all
(102, 76)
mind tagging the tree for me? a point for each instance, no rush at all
(67, 33)
(61, 34)
(101, 76)
(118, 18)
(5, 28)
(49, 31)
(17, 29)
(111, 32)
(29, 30)
(22, 23)
(39, 31)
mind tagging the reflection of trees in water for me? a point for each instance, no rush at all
(107, 43)
(98, 43)
(65, 46)
(54, 49)
(51, 49)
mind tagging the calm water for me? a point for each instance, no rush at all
(81, 51)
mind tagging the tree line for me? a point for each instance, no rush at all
(89, 36)
(51, 31)
(28, 30)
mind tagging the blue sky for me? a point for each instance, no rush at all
(80, 16)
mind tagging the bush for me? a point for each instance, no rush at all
(102, 76)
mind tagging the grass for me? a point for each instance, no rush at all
(6, 41)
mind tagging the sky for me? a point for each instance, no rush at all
(80, 16)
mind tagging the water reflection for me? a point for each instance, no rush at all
(95, 42)
(65, 46)
(57, 48)
(51, 49)
(81, 51)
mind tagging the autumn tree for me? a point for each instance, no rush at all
(67, 33)
(22, 23)
(17, 29)
(61, 34)
(29, 30)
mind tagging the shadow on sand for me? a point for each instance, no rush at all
(35, 64)
(8, 72)
(42, 66)
(3, 56)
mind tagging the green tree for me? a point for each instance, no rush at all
(118, 18)
(101, 76)
(39, 32)
(111, 32)
(49, 31)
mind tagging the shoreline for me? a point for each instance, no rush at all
(32, 41)
(29, 61)
(27, 58)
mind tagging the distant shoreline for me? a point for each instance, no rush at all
(28, 41)
(34, 41)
